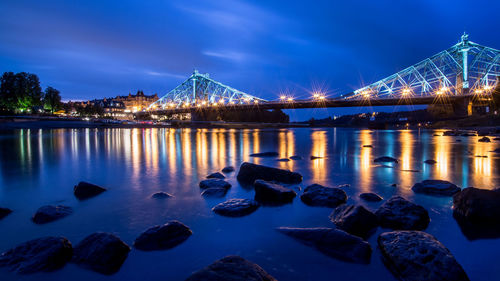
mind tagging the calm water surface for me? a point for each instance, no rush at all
(39, 167)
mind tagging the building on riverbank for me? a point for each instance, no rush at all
(137, 102)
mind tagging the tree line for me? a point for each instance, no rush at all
(21, 92)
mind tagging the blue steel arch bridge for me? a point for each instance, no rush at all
(464, 73)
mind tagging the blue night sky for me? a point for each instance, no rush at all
(94, 49)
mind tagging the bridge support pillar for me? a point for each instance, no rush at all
(462, 107)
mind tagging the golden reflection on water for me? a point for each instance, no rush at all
(442, 152)
(366, 138)
(481, 164)
(319, 141)
(169, 151)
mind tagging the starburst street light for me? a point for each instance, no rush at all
(282, 97)
(406, 92)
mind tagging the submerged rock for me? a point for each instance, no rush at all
(272, 192)
(416, 255)
(368, 145)
(436, 187)
(354, 219)
(101, 252)
(265, 154)
(385, 159)
(250, 172)
(231, 268)
(399, 213)
(50, 213)
(216, 175)
(162, 237)
(4, 212)
(477, 212)
(161, 195)
(228, 169)
(283, 160)
(332, 242)
(236, 207)
(296, 157)
(370, 197)
(315, 157)
(214, 183)
(318, 195)
(430, 161)
(84, 190)
(41, 254)
(484, 139)
(214, 192)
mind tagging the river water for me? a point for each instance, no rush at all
(40, 167)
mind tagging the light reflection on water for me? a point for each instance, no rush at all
(40, 167)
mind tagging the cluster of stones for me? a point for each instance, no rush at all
(101, 252)
(408, 252)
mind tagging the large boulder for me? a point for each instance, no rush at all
(214, 183)
(50, 213)
(370, 197)
(231, 268)
(101, 252)
(4, 212)
(265, 154)
(163, 237)
(216, 175)
(84, 190)
(217, 192)
(272, 193)
(436, 187)
(41, 254)
(324, 196)
(332, 242)
(477, 212)
(250, 172)
(236, 207)
(484, 139)
(399, 213)
(385, 159)
(417, 256)
(354, 219)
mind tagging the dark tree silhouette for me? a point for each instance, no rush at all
(52, 99)
(19, 92)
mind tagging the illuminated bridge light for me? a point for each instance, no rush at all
(282, 97)
(406, 92)
(290, 99)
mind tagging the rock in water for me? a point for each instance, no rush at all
(417, 256)
(430, 161)
(228, 169)
(265, 154)
(484, 139)
(101, 252)
(296, 157)
(50, 213)
(332, 242)
(477, 212)
(41, 254)
(231, 268)
(324, 196)
(272, 192)
(161, 195)
(436, 187)
(250, 172)
(216, 175)
(236, 207)
(370, 197)
(214, 192)
(214, 183)
(84, 190)
(385, 159)
(4, 212)
(163, 237)
(283, 160)
(399, 213)
(315, 157)
(354, 219)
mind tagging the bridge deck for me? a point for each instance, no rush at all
(297, 104)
